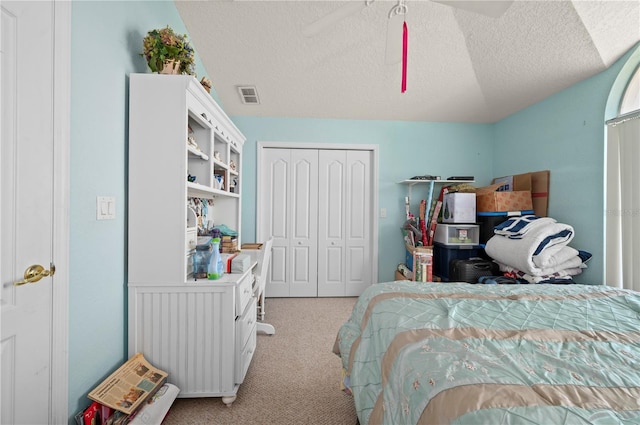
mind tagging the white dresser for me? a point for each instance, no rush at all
(203, 333)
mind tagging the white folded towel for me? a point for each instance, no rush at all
(519, 253)
(554, 256)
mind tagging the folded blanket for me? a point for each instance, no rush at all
(571, 263)
(553, 256)
(584, 255)
(516, 227)
(561, 276)
(519, 253)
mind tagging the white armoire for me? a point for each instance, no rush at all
(202, 332)
(319, 206)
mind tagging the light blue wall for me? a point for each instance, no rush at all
(405, 149)
(565, 133)
(106, 41)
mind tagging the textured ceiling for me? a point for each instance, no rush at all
(462, 66)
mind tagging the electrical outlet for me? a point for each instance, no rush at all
(383, 213)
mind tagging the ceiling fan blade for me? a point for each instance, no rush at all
(333, 18)
(492, 8)
(393, 51)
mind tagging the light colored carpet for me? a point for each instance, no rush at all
(294, 377)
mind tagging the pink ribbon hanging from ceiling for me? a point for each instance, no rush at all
(405, 37)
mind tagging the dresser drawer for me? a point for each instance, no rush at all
(246, 325)
(244, 293)
(245, 333)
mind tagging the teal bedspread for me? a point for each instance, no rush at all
(458, 353)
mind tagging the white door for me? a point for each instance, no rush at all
(288, 196)
(303, 281)
(27, 218)
(345, 239)
(319, 205)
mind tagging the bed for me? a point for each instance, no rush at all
(435, 353)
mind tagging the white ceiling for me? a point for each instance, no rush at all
(462, 66)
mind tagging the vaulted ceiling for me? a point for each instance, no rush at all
(329, 59)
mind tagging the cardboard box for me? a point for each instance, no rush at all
(540, 192)
(536, 182)
(489, 198)
(513, 183)
(458, 207)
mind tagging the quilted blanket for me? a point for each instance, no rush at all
(458, 353)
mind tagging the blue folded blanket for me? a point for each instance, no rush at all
(517, 227)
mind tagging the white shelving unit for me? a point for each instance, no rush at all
(431, 184)
(203, 333)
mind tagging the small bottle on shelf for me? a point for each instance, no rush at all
(215, 270)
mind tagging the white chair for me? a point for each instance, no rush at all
(262, 269)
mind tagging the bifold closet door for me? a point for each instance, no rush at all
(344, 222)
(289, 212)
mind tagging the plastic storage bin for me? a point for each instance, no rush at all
(457, 234)
(443, 254)
(488, 220)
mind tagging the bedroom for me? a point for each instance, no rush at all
(104, 46)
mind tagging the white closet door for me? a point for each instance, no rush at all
(359, 222)
(289, 203)
(304, 226)
(332, 193)
(273, 187)
(344, 223)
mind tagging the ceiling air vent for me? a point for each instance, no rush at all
(249, 95)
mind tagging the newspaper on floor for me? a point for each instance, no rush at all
(130, 385)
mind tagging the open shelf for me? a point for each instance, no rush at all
(420, 181)
(193, 151)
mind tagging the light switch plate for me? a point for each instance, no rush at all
(105, 208)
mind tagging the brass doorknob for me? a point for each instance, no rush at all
(34, 273)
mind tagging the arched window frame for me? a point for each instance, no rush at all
(622, 203)
(631, 98)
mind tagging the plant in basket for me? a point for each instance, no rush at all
(168, 52)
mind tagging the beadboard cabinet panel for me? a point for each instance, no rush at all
(182, 145)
